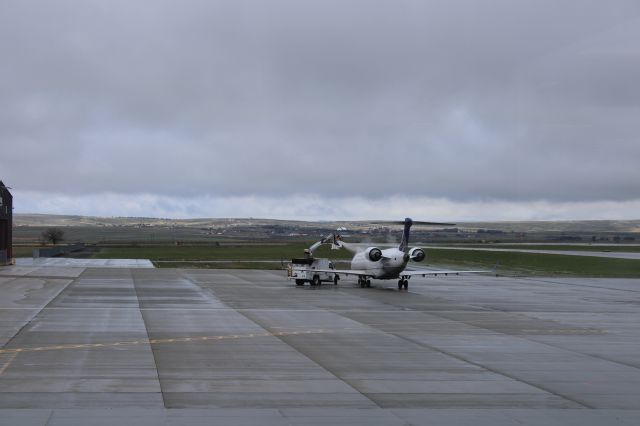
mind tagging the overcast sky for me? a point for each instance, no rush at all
(449, 110)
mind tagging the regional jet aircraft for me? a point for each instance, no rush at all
(388, 264)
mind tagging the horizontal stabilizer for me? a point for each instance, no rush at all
(415, 222)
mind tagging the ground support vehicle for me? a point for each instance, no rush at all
(304, 270)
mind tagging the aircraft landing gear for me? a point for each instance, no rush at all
(364, 282)
(336, 279)
(403, 283)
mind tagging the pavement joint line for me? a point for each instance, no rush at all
(462, 358)
(244, 312)
(16, 351)
(492, 370)
(550, 281)
(26, 324)
(534, 337)
(564, 331)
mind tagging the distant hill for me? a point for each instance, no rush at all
(40, 220)
(23, 219)
(560, 226)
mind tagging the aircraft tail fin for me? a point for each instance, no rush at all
(404, 244)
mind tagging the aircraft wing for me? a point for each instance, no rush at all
(423, 273)
(436, 272)
(356, 272)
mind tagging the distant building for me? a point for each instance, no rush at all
(6, 222)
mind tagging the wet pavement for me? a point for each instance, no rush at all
(168, 346)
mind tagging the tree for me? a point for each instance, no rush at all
(53, 235)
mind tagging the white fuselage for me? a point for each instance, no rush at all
(391, 265)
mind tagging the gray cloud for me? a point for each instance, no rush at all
(466, 100)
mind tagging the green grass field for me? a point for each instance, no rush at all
(276, 265)
(256, 256)
(274, 255)
(230, 252)
(537, 264)
(609, 248)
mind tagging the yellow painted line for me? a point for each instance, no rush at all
(8, 361)
(15, 351)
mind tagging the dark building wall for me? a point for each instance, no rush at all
(6, 223)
